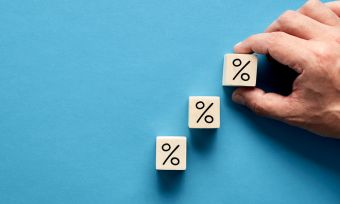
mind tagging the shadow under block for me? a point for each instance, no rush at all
(171, 153)
(239, 70)
(204, 112)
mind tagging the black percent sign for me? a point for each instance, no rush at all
(174, 160)
(244, 76)
(208, 118)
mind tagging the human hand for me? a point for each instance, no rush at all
(308, 41)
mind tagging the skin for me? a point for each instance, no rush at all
(307, 41)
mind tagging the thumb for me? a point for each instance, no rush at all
(267, 104)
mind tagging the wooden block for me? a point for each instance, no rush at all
(239, 70)
(171, 152)
(204, 112)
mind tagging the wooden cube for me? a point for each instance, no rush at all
(239, 70)
(204, 112)
(171, 152)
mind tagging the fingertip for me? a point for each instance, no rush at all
(246, 90)
(237, 97)
(237, 47)
(237, 44)
(242, 94)
(245, 46)
(242, 48)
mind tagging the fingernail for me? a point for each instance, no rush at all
(237, 44)
(237, 98)
(236, 47)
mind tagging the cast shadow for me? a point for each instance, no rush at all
(170, 182)
(275, 77)
(203, 140)
(319, 150)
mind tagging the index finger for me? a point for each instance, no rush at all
(284, 48)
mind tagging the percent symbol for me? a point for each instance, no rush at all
(208, 118)
(174, 160)
(244, 76)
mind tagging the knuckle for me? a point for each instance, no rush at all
(308, 7)
(286, 17)
(324, 54)
(275, 37)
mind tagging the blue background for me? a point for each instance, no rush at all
(86, 86)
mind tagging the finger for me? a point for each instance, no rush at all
(284, 48)
(296, 24)
(334, 6)
(319, 12)
(266, 104)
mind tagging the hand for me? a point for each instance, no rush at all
(308, 41)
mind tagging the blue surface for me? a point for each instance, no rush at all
(86, 86)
